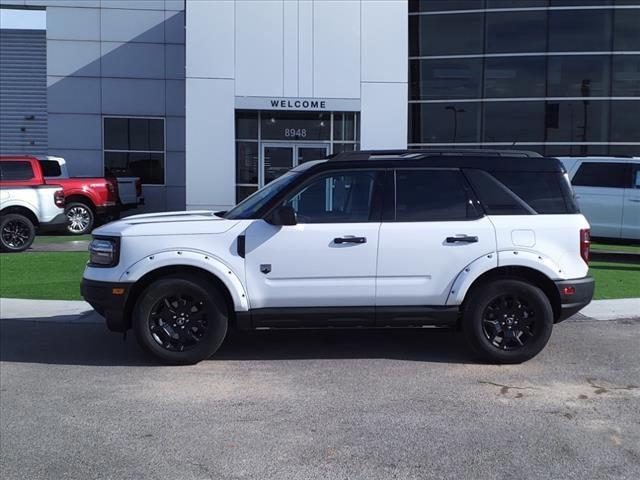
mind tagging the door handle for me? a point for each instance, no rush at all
(340, 240)
(462, 238)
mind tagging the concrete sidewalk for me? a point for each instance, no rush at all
(81, 312)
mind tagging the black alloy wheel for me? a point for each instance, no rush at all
(178, 322)
(17, 232)
(509, 322)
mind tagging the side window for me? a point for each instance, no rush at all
(15, 171)
(340, 197)
(601, 174)
(432, 195)
(50, 168)
(542, 191)
(636, 178)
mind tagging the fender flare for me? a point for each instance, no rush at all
(503, 258)
(192, 258)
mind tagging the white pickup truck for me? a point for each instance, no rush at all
(23, 209)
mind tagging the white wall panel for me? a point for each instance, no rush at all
(259, 47)
(290, 49)
(305, 48)
(210, 144)
(384, 115)
(336, 48)
(210, 38)
(384, 41)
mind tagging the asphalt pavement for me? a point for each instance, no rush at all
(78, 402)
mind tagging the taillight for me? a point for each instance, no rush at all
(58, 198)
(138, 187)
(585, 244)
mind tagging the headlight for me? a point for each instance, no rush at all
(103, 252)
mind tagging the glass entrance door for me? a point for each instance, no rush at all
(277, 158)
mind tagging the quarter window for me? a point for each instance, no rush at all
(345, 197)
(134, 147)
(432, 195)
(15, 171)
(600, 174)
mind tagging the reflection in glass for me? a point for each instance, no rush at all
(277, 160)
(443, 5)
(307, 154)
(579, 75)
(444, 123)
(626, 76)
(247, 162)
(577, 121)
(247, 125)
(343, 126)
(627, 36)
(580, 30)
(513, 122)
(516, 31)
(295, 126)
(450, 78)
(453, 34)
(514, 77)
(625, 124)
(516, 3)
(148, 166)
(243, 192)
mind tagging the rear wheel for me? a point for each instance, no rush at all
(507, 321)
(80, 218)
(180, 319)
(16, 232)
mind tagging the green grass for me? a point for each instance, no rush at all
(59, 238)
(56, 275)
(44, 276)
(616, 248)
(615, 280)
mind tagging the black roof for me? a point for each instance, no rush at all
(491, 160)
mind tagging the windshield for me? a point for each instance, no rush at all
(249, 207)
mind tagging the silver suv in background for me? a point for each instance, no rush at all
(607, 190)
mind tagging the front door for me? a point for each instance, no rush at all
(329, 258)
(277, 158)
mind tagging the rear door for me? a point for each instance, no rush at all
(431, 234)
(631, 210)
(599, 189)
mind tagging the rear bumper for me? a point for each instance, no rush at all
(109, 300)
(58, 222)
(574, 295)
(129, 206)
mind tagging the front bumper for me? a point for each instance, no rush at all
(574, 295)
(109, 299)
(58, 222)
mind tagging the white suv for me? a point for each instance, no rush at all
(492, 245)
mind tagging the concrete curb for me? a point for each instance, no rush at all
(67, 311)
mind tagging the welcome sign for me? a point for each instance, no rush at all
(298, 104)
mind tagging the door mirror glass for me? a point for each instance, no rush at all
(283, 215)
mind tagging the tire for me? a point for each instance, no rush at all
(507, 321)
(17, 232)
(80, 218)
(180, 319)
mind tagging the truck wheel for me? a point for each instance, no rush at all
(81, 218)
(507, 321)
(17, 232)
(180, 319)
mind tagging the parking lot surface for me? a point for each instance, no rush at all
(78, 402)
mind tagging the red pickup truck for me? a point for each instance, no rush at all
(86, 199)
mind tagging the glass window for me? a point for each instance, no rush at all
(134, 147)
(513, 122)
(517, 31)
(344, 147)
(546, 193)
(626, 75)
(603, 174)
(626, 36)
(247, 125)
(444, 5)
(516, 3)
(625, 126)
(577, 121)
(335, 198)
(578, 3)
(515, 77)
(445, 34)
(625, 150)
(580, 75)
(438, 79)
(344, 126)
(243, 192)
(444, 123)
(50, 168)
(432, 195)
(580, 30)
(247, 162)
(15, 171)
(570, 150)
(295, 126)
(495, 197)
(636, 178)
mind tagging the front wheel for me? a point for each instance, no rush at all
(16, 233)
(80, 218)
(507, 321)
(180, 320)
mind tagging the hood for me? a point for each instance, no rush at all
(167, 223)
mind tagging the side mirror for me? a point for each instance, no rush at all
(283, 215)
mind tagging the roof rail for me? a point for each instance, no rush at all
(424, 153)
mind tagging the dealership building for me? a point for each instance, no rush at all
(208, 101)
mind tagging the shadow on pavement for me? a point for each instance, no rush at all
(92, 344)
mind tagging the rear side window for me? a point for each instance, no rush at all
(50, 168)
(601, 174)
(545, 192)
(432, 195)
(14, 171)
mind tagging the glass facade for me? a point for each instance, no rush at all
(556, 76)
